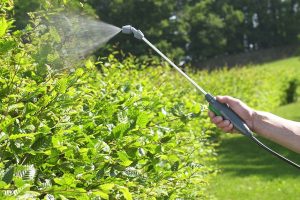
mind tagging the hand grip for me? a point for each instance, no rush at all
(226, 112)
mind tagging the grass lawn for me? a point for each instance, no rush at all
(250, 173)
(290, 111)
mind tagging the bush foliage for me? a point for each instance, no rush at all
(111, 129)
(104, 130)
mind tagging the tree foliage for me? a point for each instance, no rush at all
(204, 29)
(194, 30)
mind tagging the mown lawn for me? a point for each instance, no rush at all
(250, 173)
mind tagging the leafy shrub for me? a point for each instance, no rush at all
(128, 132)
(87, 134)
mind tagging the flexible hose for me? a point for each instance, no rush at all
(258, 142)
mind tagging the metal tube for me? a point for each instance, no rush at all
(173, 65)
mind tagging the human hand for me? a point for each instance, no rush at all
(241, 109)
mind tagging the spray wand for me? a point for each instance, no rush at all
(218, 108)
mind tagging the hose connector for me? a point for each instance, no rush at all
(128, 29)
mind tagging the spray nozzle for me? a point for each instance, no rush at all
(128, 29)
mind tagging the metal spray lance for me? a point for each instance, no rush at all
(218, 108)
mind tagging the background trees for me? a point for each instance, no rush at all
(191, 29)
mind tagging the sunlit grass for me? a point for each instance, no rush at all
(290, 111)
(249, 172)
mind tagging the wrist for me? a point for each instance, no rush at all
(256, 118)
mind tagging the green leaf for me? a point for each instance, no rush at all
(8, 174)
(7, 121)
(30, 107)
(120, 129)
(107, 187)
(52, 57)
(61, 85)
(62, 197)
(89, 64)
(26, 172)
(44, 100)
(127, 195)
(124, 158)
(65, 2)
(55, 35)
(19, 182)
(79, 72)
(22, 135)
(142, 119)
(165, 139)
(101, 194)
(3, 184)
(3, 26)
(6, 45)
(175, 166)
(66, 179)
(15, 106)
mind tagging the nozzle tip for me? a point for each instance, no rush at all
(127, 29)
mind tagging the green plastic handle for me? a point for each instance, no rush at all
(212, 109)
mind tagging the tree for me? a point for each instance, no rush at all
(160, 21)
(268, 23)
(197, 29)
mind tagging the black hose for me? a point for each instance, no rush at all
(274, 153)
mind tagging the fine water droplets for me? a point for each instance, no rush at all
(77, 36)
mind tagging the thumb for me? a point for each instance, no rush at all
(232, 102)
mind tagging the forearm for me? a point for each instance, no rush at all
(277, 129)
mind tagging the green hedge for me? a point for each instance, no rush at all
(104, 134)
(119, 131)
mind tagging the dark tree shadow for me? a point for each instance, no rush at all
(250, 58)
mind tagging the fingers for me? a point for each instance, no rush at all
(217, 120)
(211, 114)
(225, 125)
(228, 128)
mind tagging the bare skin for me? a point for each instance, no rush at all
(282, 131)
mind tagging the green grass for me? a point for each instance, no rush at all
(250, 173)
(290, 111)
(287, 62)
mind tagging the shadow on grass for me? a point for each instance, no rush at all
(249, 58)
(239, 156)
